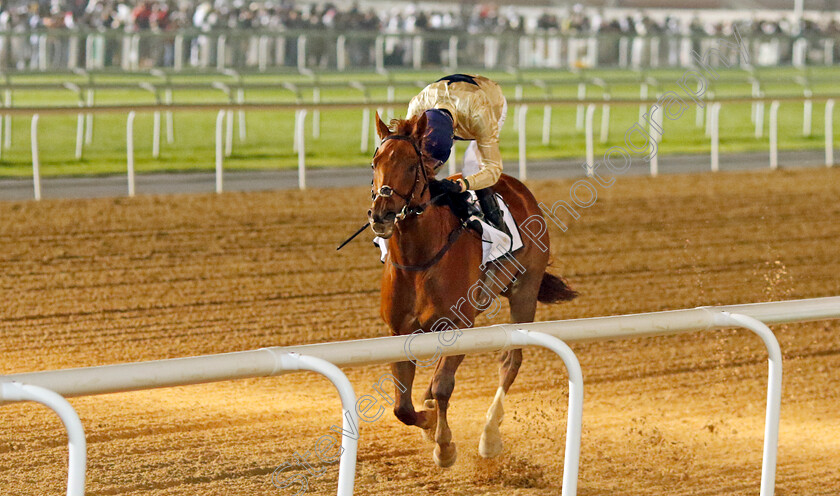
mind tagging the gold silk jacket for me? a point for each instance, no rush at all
(475, 109)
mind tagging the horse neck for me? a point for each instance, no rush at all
(420, 237)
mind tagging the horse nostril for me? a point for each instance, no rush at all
(370, 212)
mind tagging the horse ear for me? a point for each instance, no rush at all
(381, 128)
(420, 127)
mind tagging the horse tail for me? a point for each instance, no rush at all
(554, 289)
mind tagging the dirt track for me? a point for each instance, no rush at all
(104, 281)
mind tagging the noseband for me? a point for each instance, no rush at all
(386, 191)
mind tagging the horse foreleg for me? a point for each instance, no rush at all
(404, 407)
(442, 386)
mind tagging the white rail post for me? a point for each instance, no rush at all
(340, 54)
(546, 133)
(774, 394)
(590, 139)
(379, 54)
(156, 134)
(654, 125)
(229, 133)
(300, 137)
(301, 53)
(715, 118)
(349, 417)
(579, 116)
(829, 132)
(523, 138)
(221, 56)
(453, 53)
(709, 115)
(36, 164)
(807, 114)
(178, 55)
(76, 444)
(574, 421)
(220, 118)
(129, 151)
(774, 124)
(453, 158)
(605, 120)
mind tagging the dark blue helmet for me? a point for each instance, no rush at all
(437, 142)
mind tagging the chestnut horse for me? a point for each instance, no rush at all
(433, 261)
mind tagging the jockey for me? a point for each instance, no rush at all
(466, 107)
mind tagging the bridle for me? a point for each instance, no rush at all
(386, 191)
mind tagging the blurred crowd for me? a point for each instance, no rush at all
(168, 15)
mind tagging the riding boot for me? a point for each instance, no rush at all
(490, 207)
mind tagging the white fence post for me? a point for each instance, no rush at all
(807, 113)
(80, 133)
(715, 118)
(300, 137)
(774, 124)
(453, 157)
(829, 132)
(605, 120)
(574, 420)
(36, 164)
(590, 138)
(129, 151)
(579, 115)
(546, 133)
(220, 118)
(774, 395)
(523, 138)
(654, 125)
(76, 443)
(156, 134)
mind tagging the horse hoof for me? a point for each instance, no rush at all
(490, 445)
(445, 457)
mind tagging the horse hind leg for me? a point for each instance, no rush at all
(523, 306)
(442, 387)
(490, 445)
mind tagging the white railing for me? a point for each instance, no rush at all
(225, 114)
(325, 358)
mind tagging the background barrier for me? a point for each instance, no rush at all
(327, 356)
(225, 113)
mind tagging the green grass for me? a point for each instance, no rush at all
(269, 140)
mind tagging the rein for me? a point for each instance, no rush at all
(453, 237)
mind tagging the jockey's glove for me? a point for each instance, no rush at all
(450, 186)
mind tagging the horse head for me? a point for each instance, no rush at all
(400, 174)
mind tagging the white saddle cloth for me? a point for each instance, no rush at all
(494, 242)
